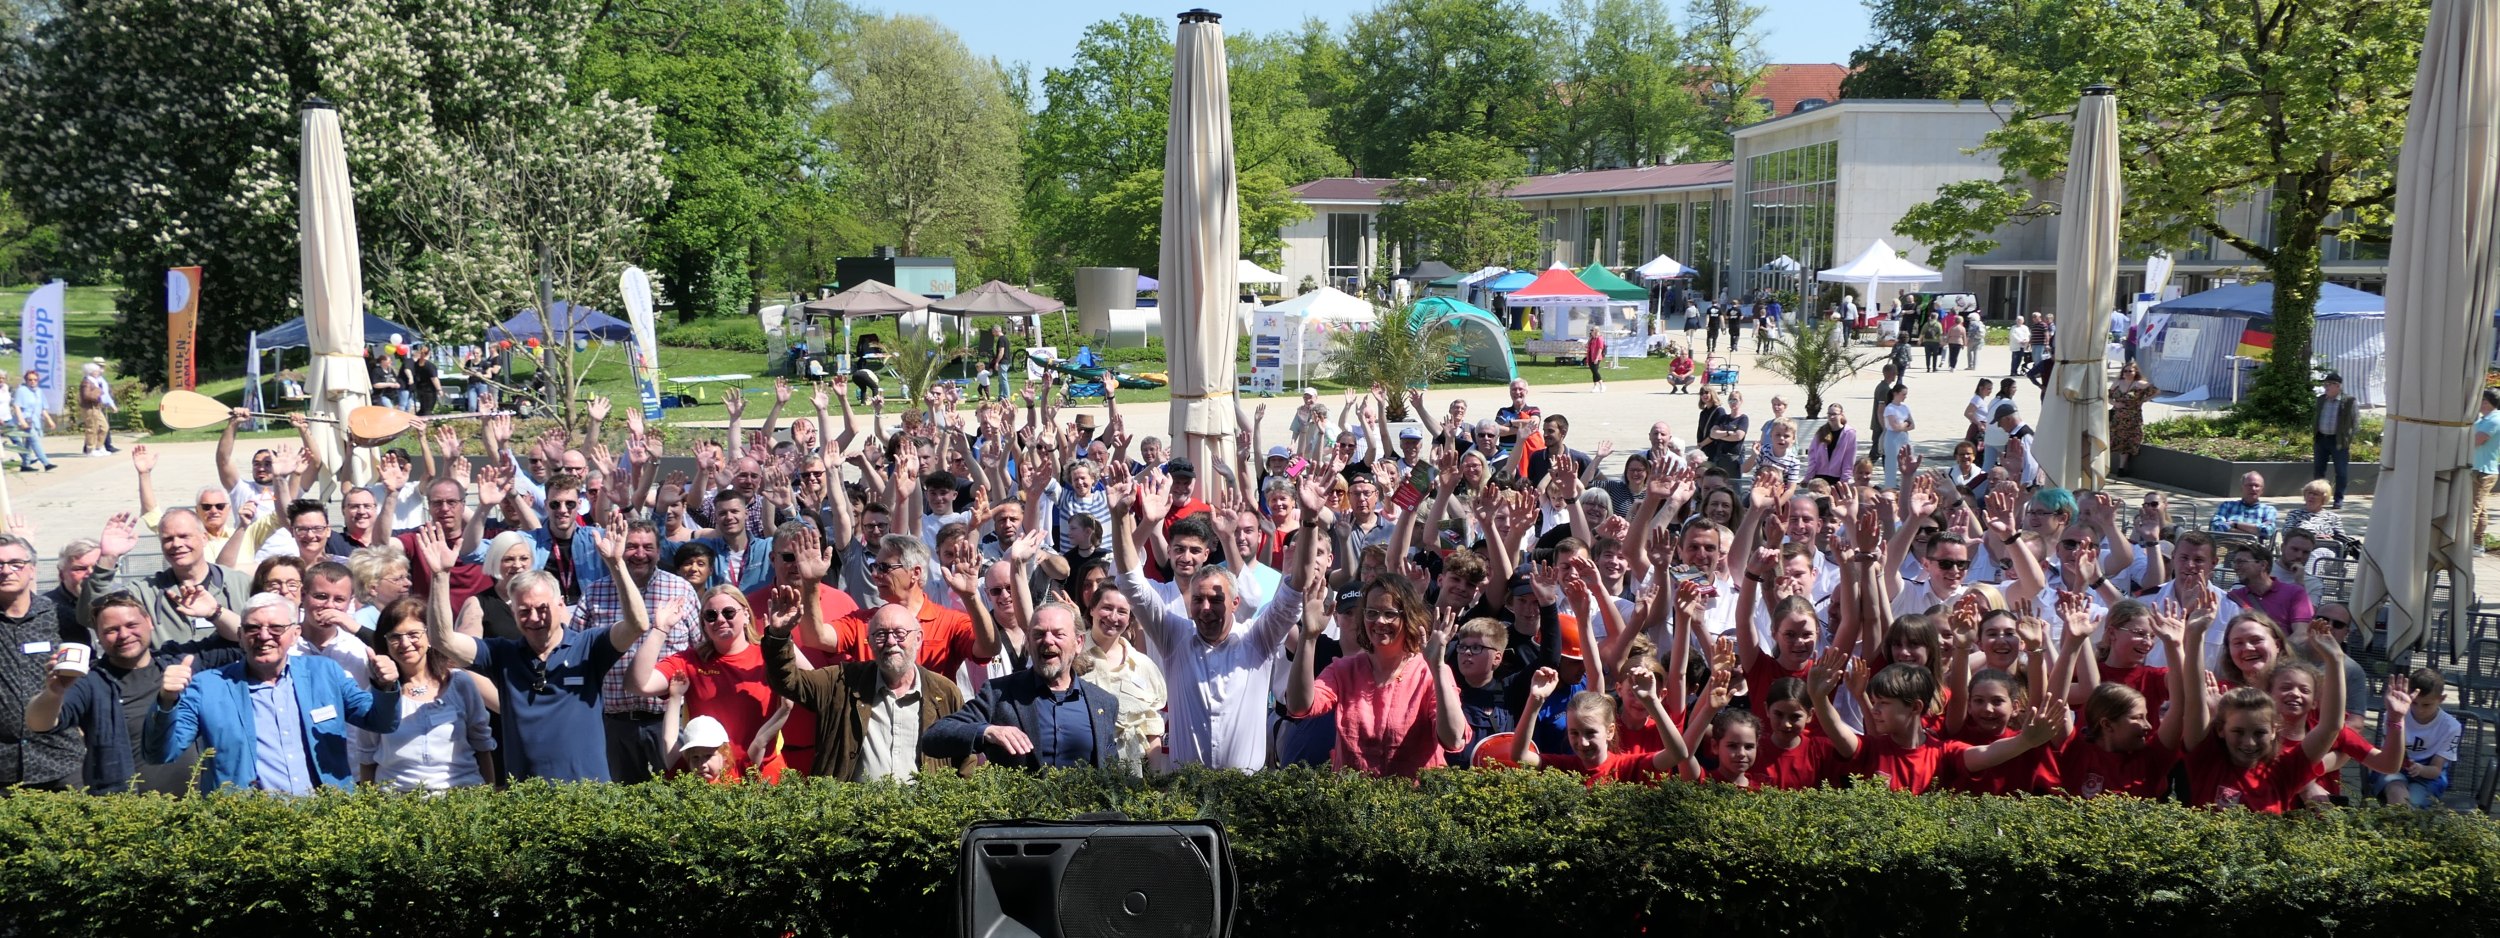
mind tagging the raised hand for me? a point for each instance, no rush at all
(447, 440)
(1314, 489)
(599, 407)
(781, 392)
(783, 605)
(1154, 496)
(1541, 685)
(196, 601)
(2399, 699)
(735, 400)
(2032, 630)
(812, 557)
(610, 538)
(176, 678)
(434, 548)
(384, 671)
(121, 535)
(2047, 719)
(143, 459)
(1826, 675)
(1644, 683)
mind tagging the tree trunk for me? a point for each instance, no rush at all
(2281, 392)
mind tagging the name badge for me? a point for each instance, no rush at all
(36, 648)
(573, 681)
(325, 714)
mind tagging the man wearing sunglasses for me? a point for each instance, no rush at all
(552, 679)
(565, 547)
(213, 505)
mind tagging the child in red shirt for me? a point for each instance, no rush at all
(1735, 741)
(2118, 749)
(2128, 637)
(2236, 757)
(2294, 686)
(1897, 748)
(1788, 757)
(1992, 701)
(1590, 724)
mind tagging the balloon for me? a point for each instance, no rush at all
(395, 339)
(533, 341)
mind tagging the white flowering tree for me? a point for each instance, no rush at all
(163, 132)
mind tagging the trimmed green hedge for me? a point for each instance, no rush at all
(1463, 853)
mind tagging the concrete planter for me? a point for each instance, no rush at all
(2221, 478)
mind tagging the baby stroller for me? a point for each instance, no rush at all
(1722, 376)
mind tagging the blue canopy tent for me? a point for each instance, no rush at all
(2189, 347)
(1500, 288)
(564, 319)
(377, 330)
(1481, 338)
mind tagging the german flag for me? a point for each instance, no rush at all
(2256, 343)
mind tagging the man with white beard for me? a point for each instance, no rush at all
(1038, 718)
(870, 714)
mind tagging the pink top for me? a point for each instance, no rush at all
(1382, 728)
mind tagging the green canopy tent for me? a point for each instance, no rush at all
(1604, 281)
(1482, 339)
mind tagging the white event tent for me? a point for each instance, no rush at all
(1289, 340)
(1878, 265)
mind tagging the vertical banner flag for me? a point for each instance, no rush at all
(636, 286)
(182, 327)
(251, 376)
(40, 330)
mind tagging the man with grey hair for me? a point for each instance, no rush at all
(188, 599)
(275, 721)
(1193, 639)
(950, 639)
(870, 715)
(76, 562)
(635, 752)
(1038, 718)
(35, 627)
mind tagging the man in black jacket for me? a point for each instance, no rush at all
(2338, 414)
(1038, 718)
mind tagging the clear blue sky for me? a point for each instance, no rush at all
(1044, 32)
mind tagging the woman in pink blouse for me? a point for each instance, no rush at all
(1396, 704)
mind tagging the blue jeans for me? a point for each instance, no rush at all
(2420, 792)
(32, 440)
(2335, 449)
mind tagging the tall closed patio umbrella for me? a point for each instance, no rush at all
(334, 290)
(1201, 242)
(2443, 280)
(2074, 422)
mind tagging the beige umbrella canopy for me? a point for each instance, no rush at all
(997, 298)
(334, 289)
(1201, 241)
(2443, 281)
(2074, 422)
(867, 298)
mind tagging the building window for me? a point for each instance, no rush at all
(1789, 212)
(1345, 248)
(1671, 231)
(1593, 246)
(1809, 104)
(1634, 244)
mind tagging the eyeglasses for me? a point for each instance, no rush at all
(1472, 648)
(309, 530)
(538, 677)
(397, 638)
(715, 615)
(1942, 564)
(2073, 544)
(15, 564)
(264, 628)
(887, 567)
(213, 506)
(891, 636)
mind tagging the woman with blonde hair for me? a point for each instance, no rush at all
(723, 678)
(1110, 661)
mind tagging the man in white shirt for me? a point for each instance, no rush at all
(2191, 586)
(330, 623)
(1220, 676)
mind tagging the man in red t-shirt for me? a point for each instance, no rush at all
(950, 639)
(444, 499)
(835, 637)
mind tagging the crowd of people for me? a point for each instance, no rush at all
(843, 595)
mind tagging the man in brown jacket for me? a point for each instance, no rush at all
(869, 714)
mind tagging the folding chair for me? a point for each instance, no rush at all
(2470, 781)
(2478, 686)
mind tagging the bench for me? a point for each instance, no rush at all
(1563, 351)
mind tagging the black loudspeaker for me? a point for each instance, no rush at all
(1096, 879)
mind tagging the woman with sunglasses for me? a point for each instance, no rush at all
(446, 734)
(724, 676)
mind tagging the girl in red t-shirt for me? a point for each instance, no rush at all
(1794, 629)
(1989, 709)
(2236, 754)
(1589, 723)
(2294, 686)
(2127, 638)
(1788, 757)
(1735, 742)
(2119, 750)
(1897, 748)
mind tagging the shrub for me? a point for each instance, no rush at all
(1319, 855)
(2230, 436)
(726, 333)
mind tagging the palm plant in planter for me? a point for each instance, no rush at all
(1402, 351)
(1813, 357)
(919, 361)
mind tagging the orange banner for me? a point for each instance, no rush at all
(182, 325)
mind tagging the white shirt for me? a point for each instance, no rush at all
(405, 508)
(265, 498)
(1217, 714)
(2436, 738)
(352, 654)
(437, 742)
(1719, 621)
(1916, 596)
(2224, 609)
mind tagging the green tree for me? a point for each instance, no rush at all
(1893, 65)
(2294, 105)
(156, 133)
(930, 132)
(1456, 209)
(1626, 97)
(1400, 352)
(1420, 67)
(724, 78)
(1724, 50)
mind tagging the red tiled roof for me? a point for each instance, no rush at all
(1342, 189)
(1630, 179)
(1786, 85)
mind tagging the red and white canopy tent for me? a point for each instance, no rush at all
(1558, 293)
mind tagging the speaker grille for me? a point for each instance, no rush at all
(1119, 887)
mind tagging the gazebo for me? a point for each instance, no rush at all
(1558, 293)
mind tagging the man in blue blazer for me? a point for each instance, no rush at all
(274, 721)
(1038, 718)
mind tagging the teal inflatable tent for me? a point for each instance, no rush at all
(1481, 337)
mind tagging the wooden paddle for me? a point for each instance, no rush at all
(375, 425)
(191, 410)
